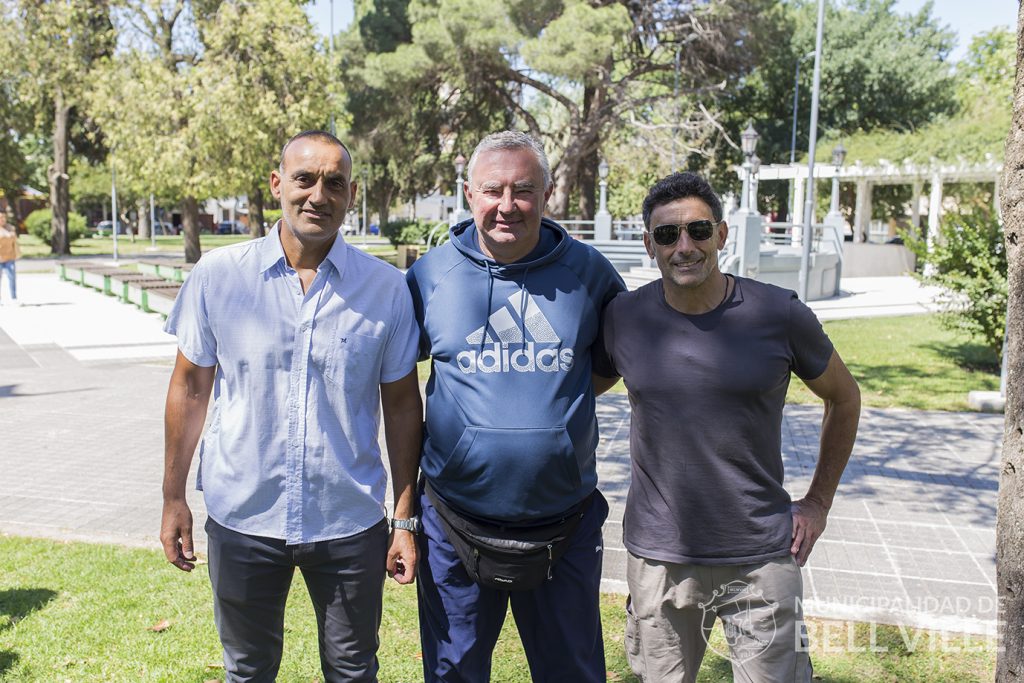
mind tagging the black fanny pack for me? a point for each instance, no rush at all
(516, 559)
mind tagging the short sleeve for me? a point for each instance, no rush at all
(810, 347)
(402, 348)
(189, 320)
(602, 352)
(418, 306)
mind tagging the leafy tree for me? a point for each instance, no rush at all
(881, 71)
(983, 93)
(1009, 541)
(156, 143)
(968, 261)
(568, 71)
(48, 50)
(263, 77)
(402, 150)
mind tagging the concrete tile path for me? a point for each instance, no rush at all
(82, 383)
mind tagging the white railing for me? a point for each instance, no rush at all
(628, 230)
(580, 229)
(434, 231)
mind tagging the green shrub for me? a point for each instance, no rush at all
(271, 216)
(406, 231)
(968, 260)
(38, 224)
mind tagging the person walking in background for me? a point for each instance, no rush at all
(9, 253)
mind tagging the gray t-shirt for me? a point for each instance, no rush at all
(707, 393)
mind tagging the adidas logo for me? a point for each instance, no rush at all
(505, 328)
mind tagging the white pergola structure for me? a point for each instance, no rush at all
(885, 172)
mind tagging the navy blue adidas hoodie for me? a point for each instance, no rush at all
(510, 427)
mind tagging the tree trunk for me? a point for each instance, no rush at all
(256, 212)
(384, 190)
(565, 175)
(142, 208)
(1010, 518)
(588, 185)
(190, 228)
(586, 179)
(60, 200)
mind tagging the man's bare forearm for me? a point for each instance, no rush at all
(188, 396)
(841, 396)
(838, 433)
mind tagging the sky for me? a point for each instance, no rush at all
(966, 17)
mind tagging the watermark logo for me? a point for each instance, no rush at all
(748, 620)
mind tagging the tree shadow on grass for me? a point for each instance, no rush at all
(18, 603)
(8, 659)
(15, 605)
(888, 380)
(969, 356)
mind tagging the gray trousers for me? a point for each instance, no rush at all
(251, 576)
(673, 607)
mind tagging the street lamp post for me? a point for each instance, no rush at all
(330, 59)
(603, 219)
(460, 166)
(365, 187)
(113, 203)
(796, 104)
(805, 247)
(747, 223)
(838, 156)
(748, 143)
(152, 223)
(755, 168)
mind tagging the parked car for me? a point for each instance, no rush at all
(164, 228)
(231, 228)
(107, 228)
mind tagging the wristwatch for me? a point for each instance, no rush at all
(412, 524)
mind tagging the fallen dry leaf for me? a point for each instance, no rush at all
(160, 626)
(218, 665)
(612, 676)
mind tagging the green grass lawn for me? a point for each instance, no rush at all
(908, 362)
(33, 247)
(81, 612)
(903, 362)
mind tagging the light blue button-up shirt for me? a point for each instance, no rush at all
(291, 449)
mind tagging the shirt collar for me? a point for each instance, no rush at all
(272, 253)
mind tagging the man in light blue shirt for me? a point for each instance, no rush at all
(301, 339)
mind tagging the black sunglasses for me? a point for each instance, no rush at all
(698, 231)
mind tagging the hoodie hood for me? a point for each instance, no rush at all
(461, 236)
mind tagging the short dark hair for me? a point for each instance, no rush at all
(321, 135)
(680, 186)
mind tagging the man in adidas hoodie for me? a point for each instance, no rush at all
(509, 309)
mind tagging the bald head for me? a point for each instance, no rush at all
(318, 135)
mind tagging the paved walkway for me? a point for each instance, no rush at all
(82, 382)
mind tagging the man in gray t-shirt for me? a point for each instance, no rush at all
(710, 530)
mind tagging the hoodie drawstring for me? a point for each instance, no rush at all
(490, 294)
(523, 301)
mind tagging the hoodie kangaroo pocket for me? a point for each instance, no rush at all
(512, 473)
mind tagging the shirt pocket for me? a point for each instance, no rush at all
(353, 360)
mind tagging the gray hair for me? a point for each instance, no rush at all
(511, 139)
